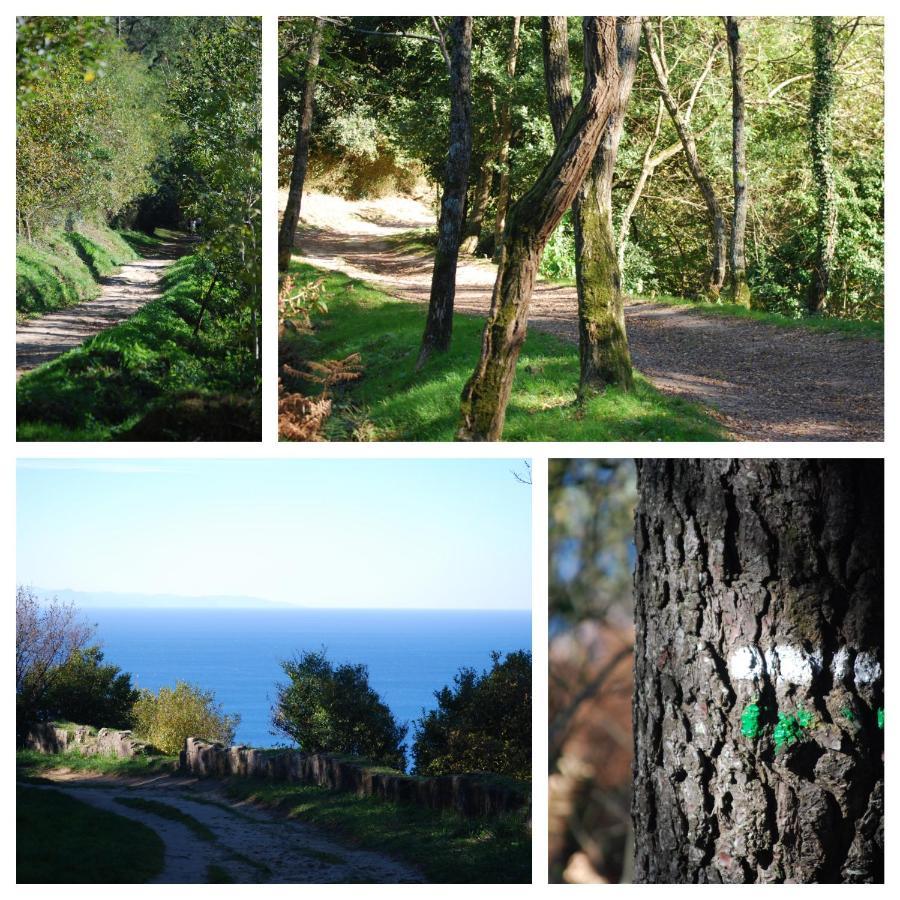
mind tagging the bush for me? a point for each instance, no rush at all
(558, 261)
(85, 691)
(482, 723)
(166, 719)
(328, 709)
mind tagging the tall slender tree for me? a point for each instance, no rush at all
(821, 137)
(301, 148)
(439, 325)
(759, 647)
(531, 221)
(740, 290)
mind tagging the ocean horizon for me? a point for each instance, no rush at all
(236, 653)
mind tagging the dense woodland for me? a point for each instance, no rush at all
(140, 136)
(736, 160)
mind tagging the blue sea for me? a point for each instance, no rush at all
(236, 653)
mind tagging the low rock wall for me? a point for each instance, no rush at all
(470, 795)
(48, 737)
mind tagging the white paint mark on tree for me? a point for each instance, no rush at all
(840, 664)
(866, 668)
(746, 663)
(792, 665)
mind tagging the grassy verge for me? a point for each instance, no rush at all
(172, 813)
(31, 764)
(64, 268)
(60, 840)
(850, 328)
(391, 401)
(446, 847)
(148, 378)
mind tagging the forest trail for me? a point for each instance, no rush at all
(762, 382)
(41, 340)
(249, 844)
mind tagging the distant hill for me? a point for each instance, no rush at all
(112, 600)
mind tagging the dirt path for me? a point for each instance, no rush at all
(40, 340)
(762, 382)
(250, 845)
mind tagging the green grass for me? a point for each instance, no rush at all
(829, 324)
(61, 840)
(63, 268)
(172, 813)
(31, 764)
(444, 846)
(148, 378)
(393, 402)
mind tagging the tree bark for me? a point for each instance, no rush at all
(716, 221)
(740, 290)
(480, 197)
(505, 137)
(758, 702)
(821, 124)
(530, 223)
(439, 325)
(301, 150)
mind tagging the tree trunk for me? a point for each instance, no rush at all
(821, 123)
(531, 222)
(505, 137)
(480, 197)
(740, 290)
(439, 326)
(716, 221)
(301, 151)
(758, 702)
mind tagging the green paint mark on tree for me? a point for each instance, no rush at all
(847, 713)
(791, 726)
(750, 720)
(880, 717)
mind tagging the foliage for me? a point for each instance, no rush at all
(60, 840)
(166, 719)
(558, 261)
(481, 724)
(332, 709)
(86, 691)
(402, 404)
(150, 377)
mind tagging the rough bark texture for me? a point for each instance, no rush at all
(759, 583)
(301, 151)
(821, 125)
(740, 290)
(715, 219)
(439, 325)
(479, 198)
(531, 222)
(505, 137)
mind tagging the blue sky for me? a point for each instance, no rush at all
(374, 533)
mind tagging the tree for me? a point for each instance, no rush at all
(332, 709)
(759, 698)
(439, 325)
(301, 148)
(481, 724)
(531, 222)
(821, 141)
(740, 291)
(86, 691)
(47, 634)
(603, 345)
(715, 218)
(169, 717)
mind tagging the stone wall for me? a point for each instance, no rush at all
(470, 795)
(47, 737)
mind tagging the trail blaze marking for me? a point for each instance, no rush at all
(750, 720)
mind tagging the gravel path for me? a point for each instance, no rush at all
(250, 845)
(40, 340)
(762, 382)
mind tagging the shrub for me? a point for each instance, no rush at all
(166, 719)
(332, 709)
(481, 724)
(85, 691)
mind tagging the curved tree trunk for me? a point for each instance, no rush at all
(439, 325)
(505, 137)
(758, 701)
(480, 197)
(530, 224)
(301, 150)
(715, 219)
(821, 125)
(740, 290)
